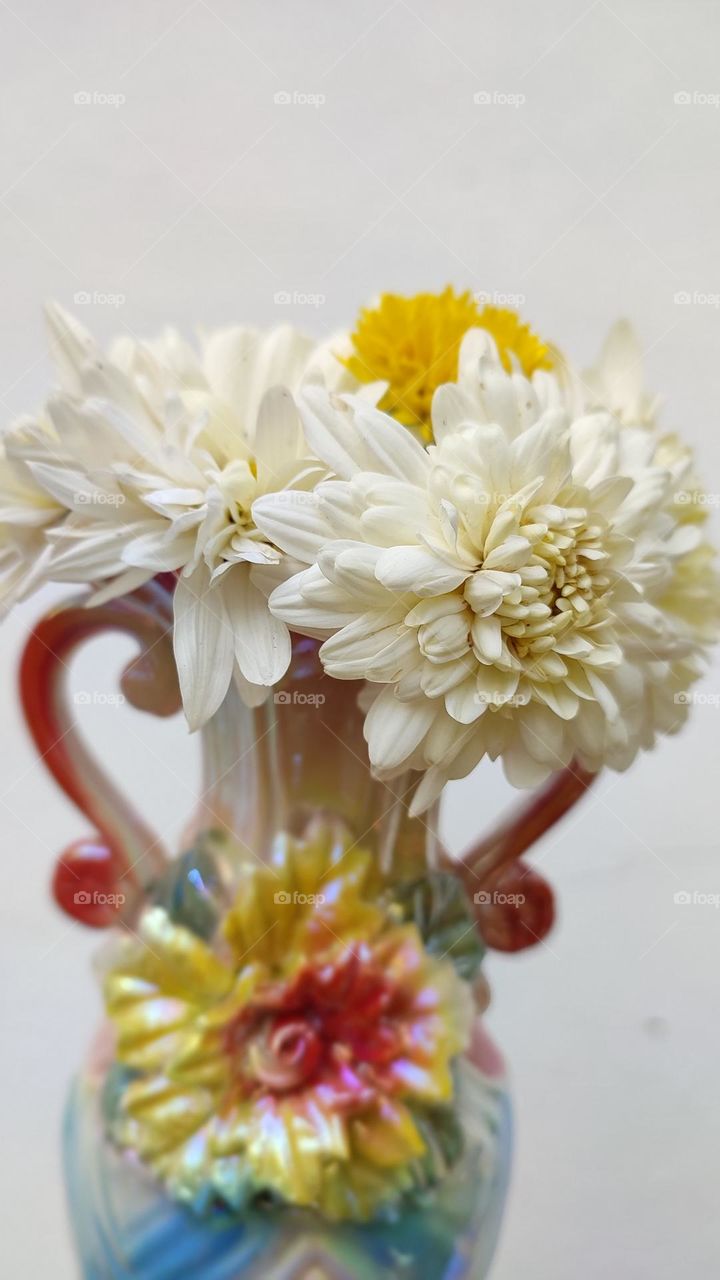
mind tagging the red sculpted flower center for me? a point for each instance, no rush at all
(336, 1024)
(285, 1053)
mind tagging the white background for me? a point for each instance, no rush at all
(200, 198)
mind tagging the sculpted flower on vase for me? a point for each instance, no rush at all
(302, 1055)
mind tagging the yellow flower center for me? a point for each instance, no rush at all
(413, 345)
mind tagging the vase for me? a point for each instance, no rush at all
(281, 781)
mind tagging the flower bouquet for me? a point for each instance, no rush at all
(361, 567)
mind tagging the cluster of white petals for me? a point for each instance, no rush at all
(533, 586)
(527, 588)
(147, 460)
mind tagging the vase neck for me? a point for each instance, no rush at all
(299, 759)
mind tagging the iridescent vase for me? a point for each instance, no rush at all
(291, 771)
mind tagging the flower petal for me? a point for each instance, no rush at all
(291, 520)
(262, 641)
(393, 729)
(417, 569)
(350, 437)
(204, 646)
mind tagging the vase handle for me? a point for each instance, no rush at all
(95, 877)
(514, 904)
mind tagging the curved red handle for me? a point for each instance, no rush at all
(514, 904)
(94, 878)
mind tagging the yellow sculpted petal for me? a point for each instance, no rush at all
(155, 986)
(388, 1136)
(433, 1083)
(289, 1145)
(164, 1114)
(170, 959)
(311, 896)
(250, 925)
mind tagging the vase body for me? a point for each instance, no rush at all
(292, 770)
(125, 1226)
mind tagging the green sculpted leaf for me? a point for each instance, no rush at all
(441, 1129)
(438, 904)
(190, 890)
(113, 1087)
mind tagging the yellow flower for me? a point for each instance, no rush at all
(413, 345)
(297, 1056)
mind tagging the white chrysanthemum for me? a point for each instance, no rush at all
(26, 512)
(154, 456)
(616, 382)
(522, 589)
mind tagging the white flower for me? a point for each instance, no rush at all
(517, 590)
(156, 456)
(26, 512)
(616, 382)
